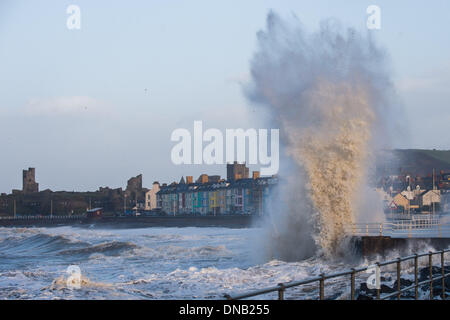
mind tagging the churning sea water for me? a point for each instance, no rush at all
(150, 263)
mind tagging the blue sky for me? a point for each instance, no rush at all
(95, 106)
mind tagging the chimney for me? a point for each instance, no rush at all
(189, 179)
(203, 178)
(255, 174)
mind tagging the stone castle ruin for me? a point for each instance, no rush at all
(29, 181)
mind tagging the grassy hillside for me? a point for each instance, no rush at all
(414, 161)
(440, 155)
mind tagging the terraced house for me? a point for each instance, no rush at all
(231, 196)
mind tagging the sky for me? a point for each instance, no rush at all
(95, 106)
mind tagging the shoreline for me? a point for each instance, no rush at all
(229, 221)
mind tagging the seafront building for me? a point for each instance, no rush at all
(242, 196)
(239, 193)
(151, 201)
(430, 194)
(211, 195)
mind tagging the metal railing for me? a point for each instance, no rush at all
(49, 217)
(429, 228)
(352, 273)
(414, 216)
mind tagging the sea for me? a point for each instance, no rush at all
(153, 263)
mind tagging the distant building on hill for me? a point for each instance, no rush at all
(134, 185)
(431, 200)
(29, 184)
(400, 203)
(444, 180)
(31, 201)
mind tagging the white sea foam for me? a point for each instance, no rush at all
(155, 263)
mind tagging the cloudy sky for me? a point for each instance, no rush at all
(95, 106)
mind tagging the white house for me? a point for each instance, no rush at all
(430, 197)
(150, 197)
(408, 194)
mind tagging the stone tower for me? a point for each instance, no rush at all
(29, 181)
(236, 171)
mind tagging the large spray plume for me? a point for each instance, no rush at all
(329, 92)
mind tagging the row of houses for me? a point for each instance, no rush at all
(399, 183)
(244, 196)
(210, 195)
(417, 200)
(431, 193)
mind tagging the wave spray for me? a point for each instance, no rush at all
(330, 94)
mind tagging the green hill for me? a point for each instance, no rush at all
(440, 155)
(413, 161)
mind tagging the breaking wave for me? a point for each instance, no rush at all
(158, 263)
(109, 248)
(36, 244)
(330, 93)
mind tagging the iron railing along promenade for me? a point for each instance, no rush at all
(320, 280)
(47, 217)
(412, 228)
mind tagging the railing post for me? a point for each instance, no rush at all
(399, 293)
(430, 262)
(281, 291)
(322, 286)
(352, 284)
(416, 278)
(378, 289)
(443, 274)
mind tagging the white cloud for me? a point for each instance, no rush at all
(66, 106)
